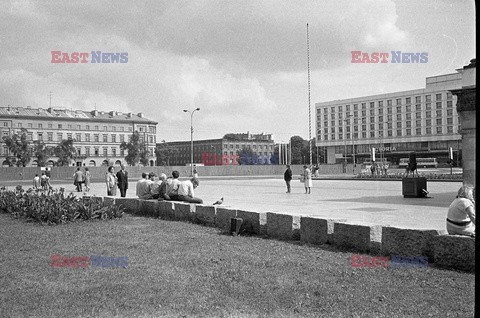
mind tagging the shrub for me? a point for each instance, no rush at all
(53, 206)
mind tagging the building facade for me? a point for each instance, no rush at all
(229, 145)
(424, 121)
(97, 135)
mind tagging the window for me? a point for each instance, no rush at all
(380, 126)
(418, 131)
(418, 107)
(87, 151)
(399, 132)
(389, 133)
(428, 130)
(87, 127)
(325, 117)
(105, 128)
(449, 104)
(87, 137)
(418, 123)
(29, 125)
(79, 137)
(408, 123)
(114, 151)
(399, 124)
(418, 99)
(50, 136)
(372, 126)
(347, 108)
(408, 100)
(428, 114)
(439, 105)
(449, 95)
(389, 110)
(105, 151)
(364, 105)
(399, 116)
(97, 151)
(69, 127)
(372, 112)
(438, 113)
(439, 121)
(408, 116)
(438, 96)
(428, 98)
(78, 127)
(115, 128)
(449, 112)
(59, 136)
(122, 128)
(96, 138)
(59, 126)
(372, 104)
(340, 109)
(449, 121)
(114, 138)
(450, 129)
(332, 116)
(428, 106)
(372, 134)
(355, 106)
(380, 103)
(408, 108)
(40, 136)
(408, 132)
(399, 101)
(364, 113)
(389, 102)
(439, 130)
(105, 138)
(428, 122)
(380, 111)
(69, 135)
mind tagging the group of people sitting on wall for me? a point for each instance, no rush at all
(162, 187)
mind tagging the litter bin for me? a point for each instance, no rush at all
(414, 187)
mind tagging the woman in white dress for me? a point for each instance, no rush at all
(307, 176)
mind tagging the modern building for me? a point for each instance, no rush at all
(424, 121)
(229, 145)
(97, 135)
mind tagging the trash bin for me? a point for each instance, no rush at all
(414, 187)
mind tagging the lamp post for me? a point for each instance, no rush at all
(191, 138)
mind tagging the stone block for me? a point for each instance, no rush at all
(280, 226)
(94, 199)
(454, 252)
(166, 210)
(148, 208)
(360, 238)
(131, 205)
(183, 211)
(314, 231)
(205, 214)
(407, 242)
(107, 201)
(251, 222)
(222, 218)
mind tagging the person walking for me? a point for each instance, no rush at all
(287, 176)
(88, 177)
(307, 176)
(36, 182)
(78, 179)
(111, 180)
(122, 179)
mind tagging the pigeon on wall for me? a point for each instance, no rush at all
(219, 202)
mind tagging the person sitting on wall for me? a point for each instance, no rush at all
(36, 182)
(162, 190)
(461, 213)
(185, 191)
(155, 184)
(143, 188)
(172, 187)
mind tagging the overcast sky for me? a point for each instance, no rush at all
(244, 63)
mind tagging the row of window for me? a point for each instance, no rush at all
(114, 151)
(151, 129)
(389, 103)
(380, 126)
(49, 136)
(390, 133)
(380, 111)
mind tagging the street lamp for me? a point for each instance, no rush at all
(191, 138)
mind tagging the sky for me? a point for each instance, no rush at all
(242, 62)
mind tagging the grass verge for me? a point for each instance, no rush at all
(177, 269)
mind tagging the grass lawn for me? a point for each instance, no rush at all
(177, 269)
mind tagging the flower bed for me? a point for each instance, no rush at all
(53, 206)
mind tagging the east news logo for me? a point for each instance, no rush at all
(82, 57)
(95, 261)
(396, 261)
(382, 57)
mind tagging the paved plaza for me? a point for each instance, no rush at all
(358, 201)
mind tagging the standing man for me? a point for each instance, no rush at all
(78, 179)
(122, 180)
(287, 176)
(36, 183)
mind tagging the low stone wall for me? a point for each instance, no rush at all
(445, 251)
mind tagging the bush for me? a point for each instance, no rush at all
(53, 206)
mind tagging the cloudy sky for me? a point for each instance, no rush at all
(243, 62)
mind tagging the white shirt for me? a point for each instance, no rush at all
(186, 188)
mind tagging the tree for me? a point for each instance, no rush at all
(20, 147)
(137, 150)
(65, 151)
(41, 153)
(301, 151)
(165, 153)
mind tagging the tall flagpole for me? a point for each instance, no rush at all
(309, 110)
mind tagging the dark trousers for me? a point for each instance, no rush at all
(123, 192)
(185, 198)
(79, 186)
(288, 185)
